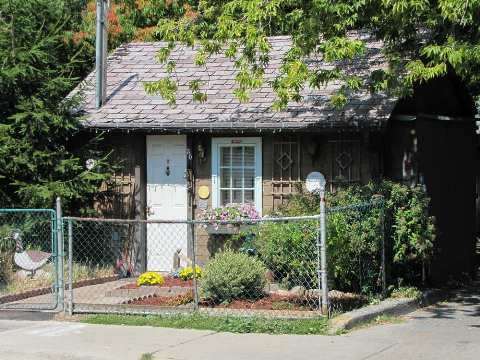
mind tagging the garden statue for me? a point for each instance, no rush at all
(28, 260)
(180, 261)
(176, 261)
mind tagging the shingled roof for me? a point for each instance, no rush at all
(129, 107)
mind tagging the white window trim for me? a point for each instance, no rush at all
(257, 143)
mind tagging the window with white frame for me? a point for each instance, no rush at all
(236, 171)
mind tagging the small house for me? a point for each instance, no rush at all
(179, 160)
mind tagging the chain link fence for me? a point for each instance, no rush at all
(28, 259)
(106, 256)
(269, 266)
(264, 267)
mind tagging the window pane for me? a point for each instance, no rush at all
(249, 178)
(225, 197)
(249, 198)
(225, 178)
(225, 156)
(237, 197)
(237, 178)
(237, 156)
(249, 156)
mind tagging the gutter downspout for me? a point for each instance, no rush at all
(101, 48)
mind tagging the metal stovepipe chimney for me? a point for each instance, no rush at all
(101, 53)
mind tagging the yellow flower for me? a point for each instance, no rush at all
(187, 273)
(150, 278)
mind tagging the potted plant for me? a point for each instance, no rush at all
(237, 216)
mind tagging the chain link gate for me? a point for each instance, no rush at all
(29, 261)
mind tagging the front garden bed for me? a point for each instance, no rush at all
(340, 301)
(251, 286)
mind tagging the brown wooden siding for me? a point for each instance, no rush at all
(116, 198)
(287, 160)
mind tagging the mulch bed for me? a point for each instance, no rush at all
(169, 282)
(270, 302)
(340, 301)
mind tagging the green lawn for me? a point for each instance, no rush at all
(318, 326)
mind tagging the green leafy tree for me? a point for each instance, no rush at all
(423, 39)
(40, 157)
(132, 20)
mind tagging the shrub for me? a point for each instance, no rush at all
(354, 241)
(187, 273)
(409, 232)
(354, 238)
(230, 275)
(150, 278)
(289, 250)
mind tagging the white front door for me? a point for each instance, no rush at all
(166, 199)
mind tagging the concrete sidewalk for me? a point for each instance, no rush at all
(445, 331)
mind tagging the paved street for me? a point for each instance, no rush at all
(446, 331)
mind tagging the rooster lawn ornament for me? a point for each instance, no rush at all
(28, 260)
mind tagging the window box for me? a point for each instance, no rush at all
(226, 229)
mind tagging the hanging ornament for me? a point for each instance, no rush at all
(90, 164)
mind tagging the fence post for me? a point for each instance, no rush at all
(319, 266)
(70, 267)
(140, 248)
(60, 255)
(194, 267)
(384, 261)
(323, 251)
(378, 200)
